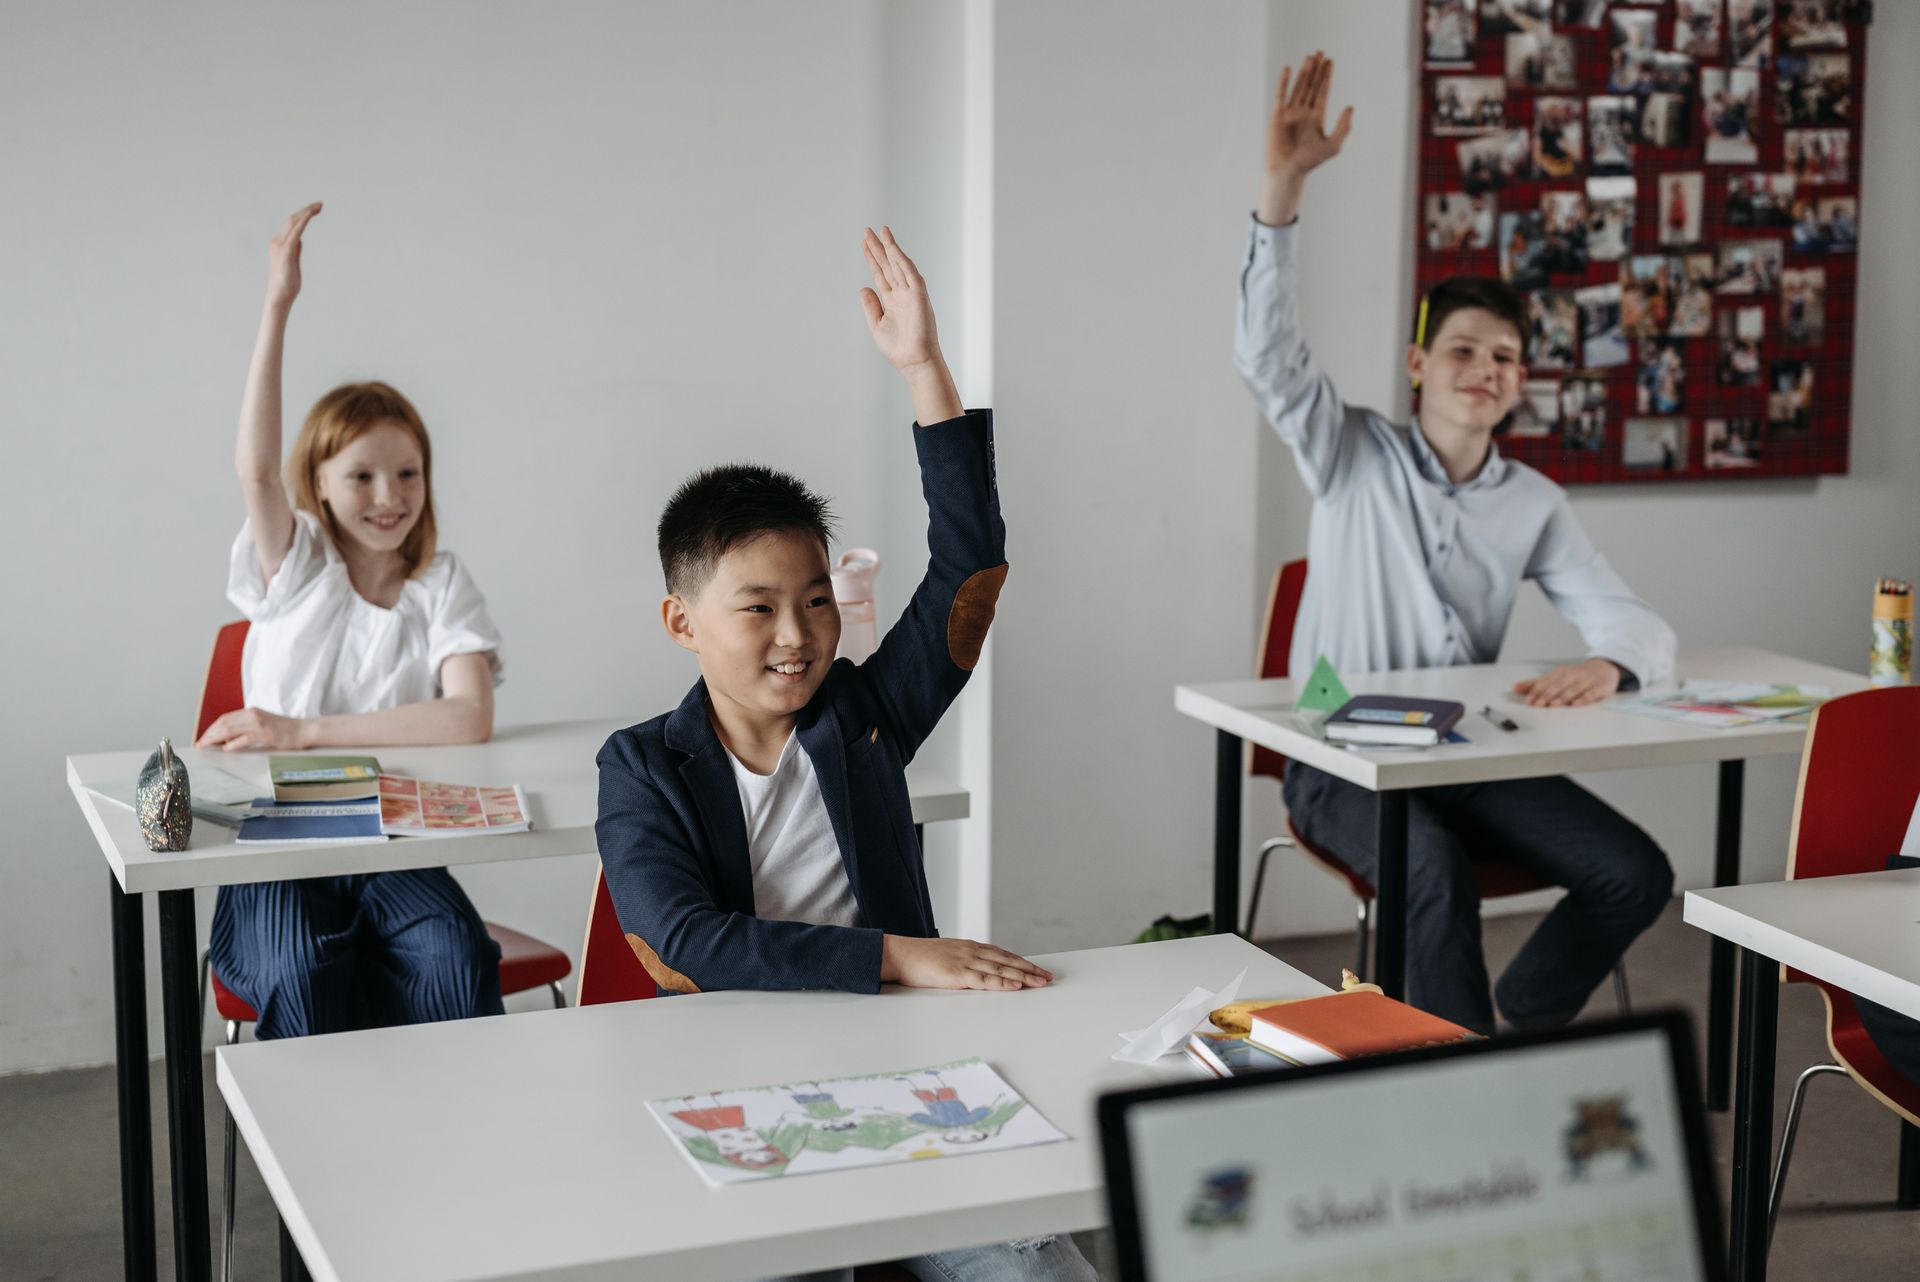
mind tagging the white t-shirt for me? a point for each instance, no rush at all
(797, 873)
(317, 647)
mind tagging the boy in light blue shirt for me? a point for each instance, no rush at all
(1420, 536)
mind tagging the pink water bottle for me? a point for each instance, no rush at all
(853, 589)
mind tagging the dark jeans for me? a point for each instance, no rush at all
(1617, 882)
(328, 954)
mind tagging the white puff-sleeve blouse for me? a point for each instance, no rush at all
(317, 647)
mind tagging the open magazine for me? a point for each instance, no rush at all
(403, 808)
(1727, 703)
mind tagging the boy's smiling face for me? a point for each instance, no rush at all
(765, 627)
(1470, 377)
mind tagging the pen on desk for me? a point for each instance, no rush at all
(1499, 719)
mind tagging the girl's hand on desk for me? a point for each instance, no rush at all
(254, 729)
(956, 963)
(1571, 686)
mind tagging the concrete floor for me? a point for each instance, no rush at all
(60, 1190)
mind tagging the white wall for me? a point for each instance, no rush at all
(1783, 564)
(600, 245)
(1128, 140)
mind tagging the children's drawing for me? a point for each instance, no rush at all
(851, 1122)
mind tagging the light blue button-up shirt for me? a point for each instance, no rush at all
(1408, 569)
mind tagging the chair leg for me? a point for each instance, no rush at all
(1620, 988)
(559, 997)
(1786, 1139)
(1361, 933)
(1909, 1165)
(1259, 878)
(226, 1209)
(205, 969)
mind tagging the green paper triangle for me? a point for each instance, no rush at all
(1324, 692)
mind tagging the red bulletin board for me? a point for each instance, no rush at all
(1713, 338)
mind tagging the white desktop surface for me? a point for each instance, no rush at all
(520, 1146)
(552, 762)
(1550, 741)
(1860, 932)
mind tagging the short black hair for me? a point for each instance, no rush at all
(1458, 293)
(719, 509)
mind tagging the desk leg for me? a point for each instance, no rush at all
(186, 1102)
(130, 1069)
(1726, 872)
(1753, 1115)
(292, 1267)
(1227, 764)
(1390, 886)
(1909, 1165)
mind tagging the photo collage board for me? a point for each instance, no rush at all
(1673, 188)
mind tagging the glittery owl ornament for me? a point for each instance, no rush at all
(162, 800)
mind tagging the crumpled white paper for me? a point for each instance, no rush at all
(1169, 1032)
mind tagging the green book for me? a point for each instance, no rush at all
(312, 778)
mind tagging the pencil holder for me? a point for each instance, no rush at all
(1891, 661)
(163, 801)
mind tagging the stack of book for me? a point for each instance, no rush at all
(1393, 721)
(1322, 1030)
(346, 800)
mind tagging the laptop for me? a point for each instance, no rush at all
(1576, 1155)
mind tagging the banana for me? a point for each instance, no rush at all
(1235, 1017)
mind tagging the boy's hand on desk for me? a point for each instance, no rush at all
(956, 963)
(1572, 685)
(252, 728)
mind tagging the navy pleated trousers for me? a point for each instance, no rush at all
(329, 954)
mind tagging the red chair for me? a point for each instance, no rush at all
(525, 962)
(1494, 878)
(1858, 785)
(609, 970)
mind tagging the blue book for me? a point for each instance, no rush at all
(332, 822)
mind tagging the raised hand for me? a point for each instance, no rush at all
(899, 313)
(283, 257)
(1297, 137)
(900, 318)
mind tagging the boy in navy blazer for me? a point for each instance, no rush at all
(760, 835)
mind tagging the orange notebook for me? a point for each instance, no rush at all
(1340, 1026)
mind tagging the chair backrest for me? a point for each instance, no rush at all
(1276, 641)
(609, 972)
(222, 692)
(1859, 777)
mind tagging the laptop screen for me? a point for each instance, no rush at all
(1565, 1156)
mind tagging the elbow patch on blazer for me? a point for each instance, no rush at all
(663, 975)
(972, 615)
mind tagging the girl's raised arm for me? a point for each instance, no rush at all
(257, 456)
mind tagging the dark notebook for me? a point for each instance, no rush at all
(1393, 719)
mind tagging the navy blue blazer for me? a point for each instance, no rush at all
(672, 834)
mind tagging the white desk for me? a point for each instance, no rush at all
(1860, 933)
(552, 762)
(1550, 741)
(395, 1177)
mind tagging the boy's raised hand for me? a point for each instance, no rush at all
(899, 313)
(283, 257)
(900, 318)
(956, 963)
(1297, 137)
